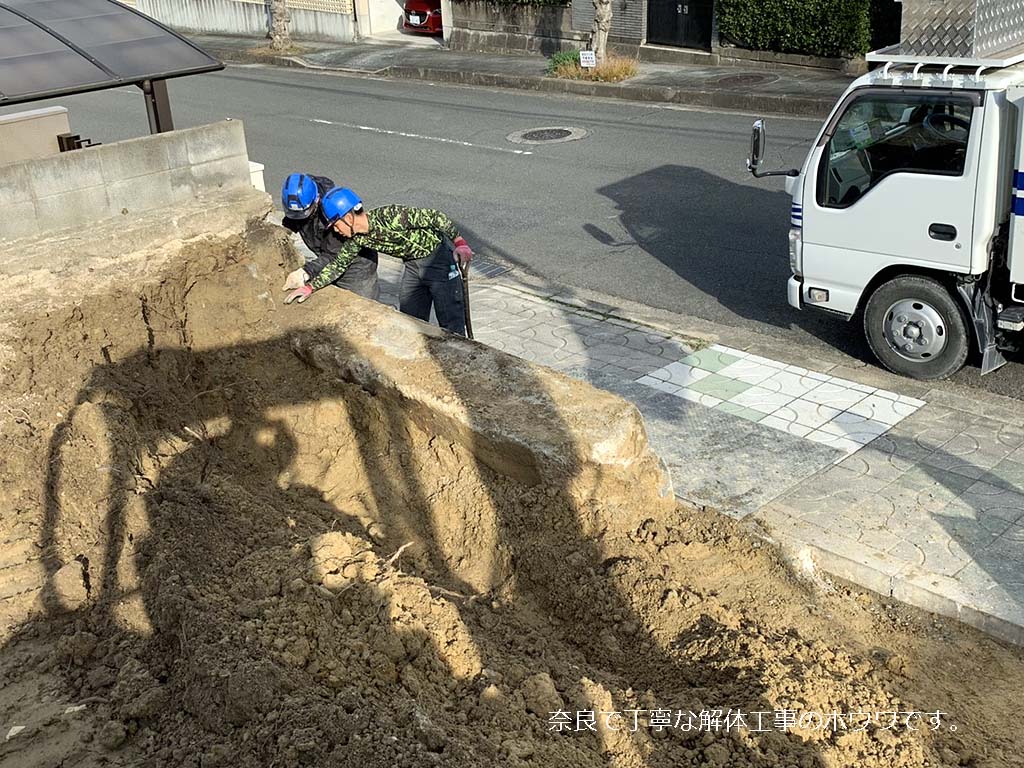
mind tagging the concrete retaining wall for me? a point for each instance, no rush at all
(479, 25)
(79, 188)
(770, 60)
(565, 433)
(250, 19)
(484, 26)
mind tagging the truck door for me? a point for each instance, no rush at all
(891, 182)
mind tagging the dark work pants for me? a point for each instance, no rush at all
(435, 281)
(360, 277)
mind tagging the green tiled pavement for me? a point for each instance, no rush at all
(709, 360)
(738, 410)
(719, 386)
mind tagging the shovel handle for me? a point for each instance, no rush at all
(464, 270)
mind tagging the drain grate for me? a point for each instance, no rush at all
(483, 269)
(550, 134)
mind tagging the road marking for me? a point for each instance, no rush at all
(405, 135)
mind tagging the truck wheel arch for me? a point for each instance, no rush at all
(948, 279)
(916, 327)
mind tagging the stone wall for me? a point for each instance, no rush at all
(478, 25)
(485, 26)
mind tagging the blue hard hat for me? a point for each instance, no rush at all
(299, 194)
(338, 202)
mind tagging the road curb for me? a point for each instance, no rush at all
(909, 585)
(714, 99)
(760, 103)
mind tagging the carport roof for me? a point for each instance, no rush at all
(56, 47)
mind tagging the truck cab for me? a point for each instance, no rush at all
(904, 210)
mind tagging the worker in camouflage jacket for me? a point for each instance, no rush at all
(301, 198)
(426, 240)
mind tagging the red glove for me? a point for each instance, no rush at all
(463, 253)
(299, 295)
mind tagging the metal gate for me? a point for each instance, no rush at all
(686, 23)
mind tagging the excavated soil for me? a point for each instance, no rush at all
(248, 563)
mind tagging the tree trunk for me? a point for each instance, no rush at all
(602, 26)
(280, 40)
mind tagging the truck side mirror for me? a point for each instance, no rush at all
(757, 140)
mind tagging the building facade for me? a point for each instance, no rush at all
(679, 23)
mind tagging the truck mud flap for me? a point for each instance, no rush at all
(978, 303)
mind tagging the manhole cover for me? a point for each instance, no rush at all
(739, 81)
(552, 134)
(547, 134)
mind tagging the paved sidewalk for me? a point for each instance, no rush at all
(919, 497)
(785, 91)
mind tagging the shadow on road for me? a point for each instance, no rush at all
(741, 262)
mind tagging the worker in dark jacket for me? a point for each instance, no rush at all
(301, 197)
(426, 240)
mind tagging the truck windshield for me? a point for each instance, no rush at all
(880, 134)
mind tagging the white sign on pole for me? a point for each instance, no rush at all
(588, 59)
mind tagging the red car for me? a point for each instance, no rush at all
(423, 16)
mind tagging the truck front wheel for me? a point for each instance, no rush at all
(916, 328)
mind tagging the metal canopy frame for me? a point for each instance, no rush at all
(184, 57)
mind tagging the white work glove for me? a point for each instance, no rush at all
(295, 280)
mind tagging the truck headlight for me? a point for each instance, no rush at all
(796, 251)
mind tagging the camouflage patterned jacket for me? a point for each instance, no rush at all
(405, 233)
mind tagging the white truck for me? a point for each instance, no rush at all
(909, 208)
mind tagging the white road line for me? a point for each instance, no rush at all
(405, 135)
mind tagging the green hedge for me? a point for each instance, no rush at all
(813, 27)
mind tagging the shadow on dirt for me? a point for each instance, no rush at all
(221, 472)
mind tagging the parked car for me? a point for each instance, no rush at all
(423, 16)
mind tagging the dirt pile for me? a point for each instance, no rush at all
(246, 562)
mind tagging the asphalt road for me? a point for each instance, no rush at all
(653, 205)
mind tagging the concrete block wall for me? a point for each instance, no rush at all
(80, 188)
